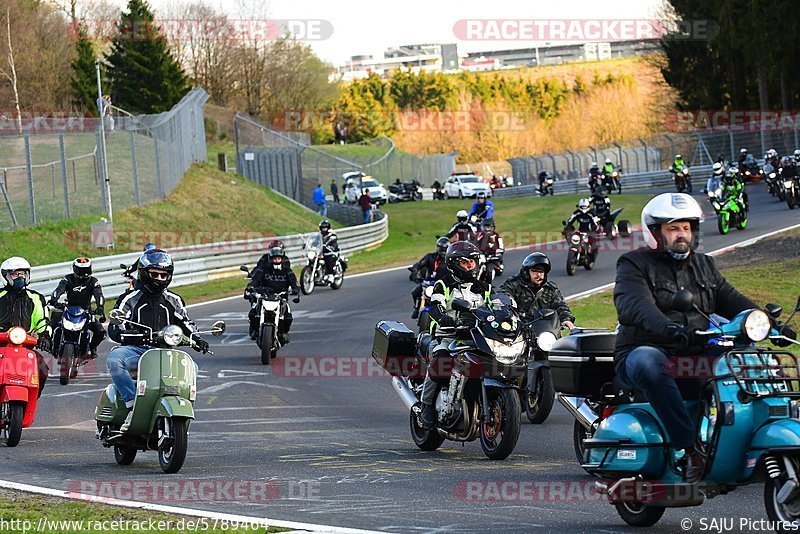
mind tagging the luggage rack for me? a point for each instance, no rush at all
(765, 373)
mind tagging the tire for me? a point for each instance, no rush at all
(171, 460)
(723, 223)
(265, 337)
(424, 322)
(579, 433)
(637, 514)
(416, 196)
(65, 363)
(124, 455)
(689, 186)
(13, 412)
(624, 228)
(790, 201)
(538, 410)
(781, 194)
(590, 261)
(427, 440)
(572, 263)
(742, 224)
(776, 511)
(505, 404)
(338, 277)
(619, 186)
(306, 281)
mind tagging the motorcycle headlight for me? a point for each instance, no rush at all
(172, 335)
(312, 254)
(772, 175)
(74, 327)
(787, 184)
(615, 174)
(17, 335)
(756, 325)
(710, 194)
(576, 239)
(429, 291)
(507, 353)
(718, 193)
(546, 340)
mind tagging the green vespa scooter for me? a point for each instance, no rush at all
(166, 388)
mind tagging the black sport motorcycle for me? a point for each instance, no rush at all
(537, 392)
(481, 399)
(580, 250)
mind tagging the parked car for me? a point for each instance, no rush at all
(465, 186)
(356, 181)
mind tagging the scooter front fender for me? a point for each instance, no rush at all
(533, 371)
(777, 434)
(172, 407)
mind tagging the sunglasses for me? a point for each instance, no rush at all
(158, 275)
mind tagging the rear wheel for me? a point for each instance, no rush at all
(579, 433)
(65, 363)
(638, 514)
(427, 440)
(265, 342)
(306, 280)
(13, 413)
(124, 455)
(538, 407)
(499, 438)
(172, 455)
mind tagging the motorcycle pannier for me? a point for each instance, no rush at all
(394, 348)
(582, 363)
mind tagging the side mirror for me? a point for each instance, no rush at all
(773, 310)
(245, 269)
(461, 305)
(563, 223)
(218, 328)
(115, 316)
(123, 266)
(683, 301)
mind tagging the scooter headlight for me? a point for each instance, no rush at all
(756, 325)
(507, 353)
(17, 335)
(546, 340)
(172, 335)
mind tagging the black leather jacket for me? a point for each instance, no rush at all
(530, 298)
(278, 280)
(157, 311)
(80, 292)
(647, 280)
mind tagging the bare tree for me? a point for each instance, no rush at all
(11, 73)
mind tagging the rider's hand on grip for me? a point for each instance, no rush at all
(201, 345)
(44, 343)
(677, 333)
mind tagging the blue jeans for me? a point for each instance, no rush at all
(367, 214)
(121, 359)
(322, 209)
(644, 370)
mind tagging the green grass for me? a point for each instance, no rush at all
(206, 203)
(413, 226)
(18, 507)
(763, 283)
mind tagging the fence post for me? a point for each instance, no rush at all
(64, 180)
(733, 150)
(29, 170)
(646, 162)
(135, 170)
(236, 142)
(4, 185)
(158, 168)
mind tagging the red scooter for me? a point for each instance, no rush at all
(19, 383)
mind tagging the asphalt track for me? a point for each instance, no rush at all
(336, 449)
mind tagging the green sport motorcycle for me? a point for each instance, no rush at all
(730, 210)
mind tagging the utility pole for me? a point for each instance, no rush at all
(101, 107)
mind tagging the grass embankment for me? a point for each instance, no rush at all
(63, 516)
(207, 206)
(763, 281)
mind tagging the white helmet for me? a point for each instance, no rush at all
(15, 263)
(717, 167)
(667, 208)
(462, 215)
(594, 164)
(743, 151)
(608, 160)
(796, 152)
(584, 205)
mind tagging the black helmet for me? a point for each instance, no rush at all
(537, 260)
(441, 245)
(480, 195)
(149, 246)
(324, 223)
(155, 260)
(276, 252)
(82, 267)
(488, 224)
(277, 243)
(462, 250)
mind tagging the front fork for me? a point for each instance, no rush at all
(789, 486)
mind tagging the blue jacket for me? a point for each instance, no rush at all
(485, 212)
(319, 196)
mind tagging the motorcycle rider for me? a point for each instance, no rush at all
(265, 260)
(482, 208)
(132, 268)
(677, 166)
(462, 230)
(543, 176)
(733, 187)
(650, 330)
(532, 291)
(20, 306)
(276, 278)
(430, 267)
(595, 175)
(438, 194)
(490, 243)
(608, 167)
(148, 303)
(330, 247)
(796, 155)
(601, 206)
(80, 287)
(715, 181)
(587, 222)
(746, 162)
(461, 281)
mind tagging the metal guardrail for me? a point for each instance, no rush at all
(630, 182)
(201, 263)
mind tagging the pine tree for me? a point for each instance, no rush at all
(84, 81)
(143, 74)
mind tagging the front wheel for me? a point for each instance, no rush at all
(424, 322)
(338, 277)
(306, 280)
(790, 200)
(266, 338)
(789, 510)
(689, 186)
(572, 263)
(499, 438)
(13, 413)
(625, 228)
(539, 406)
(723, 223)
(638, 514)
(65, 363)
(172, 455)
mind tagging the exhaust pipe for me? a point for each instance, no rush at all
(580, 410)
(404, 392)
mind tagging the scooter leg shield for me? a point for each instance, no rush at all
(110, 408)
(629, 440)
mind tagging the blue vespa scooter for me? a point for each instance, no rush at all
(747, 427)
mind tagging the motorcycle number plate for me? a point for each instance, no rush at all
(626, 455)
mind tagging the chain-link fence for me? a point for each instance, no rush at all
(283, 163)
(657, 152)
(60, 174)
